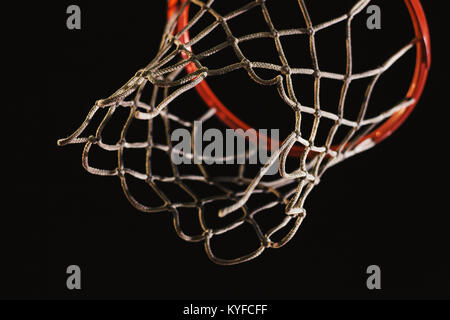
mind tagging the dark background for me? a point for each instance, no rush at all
(385, 207)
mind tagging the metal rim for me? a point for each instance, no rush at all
(423, 62)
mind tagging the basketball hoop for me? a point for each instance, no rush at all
(241, 199)
(417, 85)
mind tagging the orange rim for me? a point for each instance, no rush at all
(423, 62)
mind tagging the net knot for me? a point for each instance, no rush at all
(286, 70)
(246, 63)
(275, 33)
(318, 114)
(317, 74)
(233, 40)
(93, 139)
(121, 172)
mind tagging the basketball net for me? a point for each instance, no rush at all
(177, 69)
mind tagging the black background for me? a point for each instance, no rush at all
(386, 207)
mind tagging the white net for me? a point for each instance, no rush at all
(226, 202)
